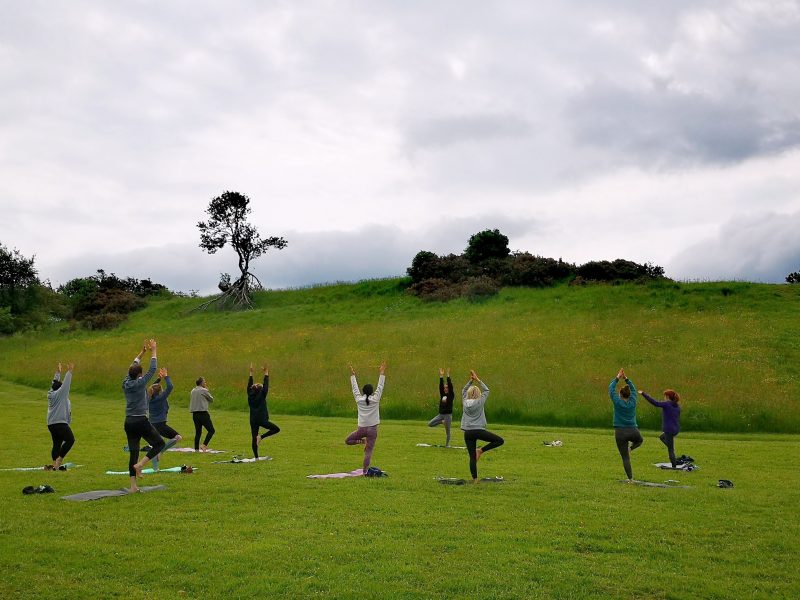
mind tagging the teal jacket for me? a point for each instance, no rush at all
(624, 410)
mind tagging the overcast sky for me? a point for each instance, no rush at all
(366, 131)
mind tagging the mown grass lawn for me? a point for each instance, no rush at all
(562, 526)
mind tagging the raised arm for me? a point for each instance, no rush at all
(381, 382)
(652, 400)
(64, 389)
(612, 391)
(250, 379)
(441, 382)
(354, 383)
(57, 376)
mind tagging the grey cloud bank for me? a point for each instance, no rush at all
(674, 121)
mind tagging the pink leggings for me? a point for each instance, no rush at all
(358, 437)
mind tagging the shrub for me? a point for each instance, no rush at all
(486, 244)
(477, 289)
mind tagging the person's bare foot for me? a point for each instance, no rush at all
(476, 480)
(203, 448)
(49, 467)
(138, 468)
(57, 463)
(133, 489)
(478, 453)
(259, 439)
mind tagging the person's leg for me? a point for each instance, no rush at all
(134, 438)
(448, 419)
(271, 429)
(357, 437)
(494, 440)
(68, 440)
(668, 440)
(636, 438)
(55, 435)
(155, 441)
(435, 420)
(470, 441)
(169, 434)
(198, 429)
(624, 450)
(209, 429)
(254, 436)
(369, 445)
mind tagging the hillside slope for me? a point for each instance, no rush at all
(732, 350)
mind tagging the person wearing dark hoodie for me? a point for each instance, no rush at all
(59, 417)
(670, 420)
(259, 413)
(446, 397)
(159, 408)
(473, 422)
(199, 399)
(368, 404)
(626, 429)
(137, 425)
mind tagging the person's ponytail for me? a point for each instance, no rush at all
(367, 391)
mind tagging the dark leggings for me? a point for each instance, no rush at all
(165, 430)
(261, 421)
(668, 439)
(137, 428)
(471, 437)
(62, 439)
(202, 419)
(625, 435)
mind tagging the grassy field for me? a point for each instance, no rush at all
(731, 349)
(562, 526)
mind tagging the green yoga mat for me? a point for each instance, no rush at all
(151, 471)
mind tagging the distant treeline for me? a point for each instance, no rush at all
(487, 264)
(100, 301)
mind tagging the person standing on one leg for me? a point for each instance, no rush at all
(670, 420)
(626, 430)
(137, 425)
(259, 413)
(368, 403)
(159, 407)
(473, 422)
(59, 417)
(446, 397)
(199, 400)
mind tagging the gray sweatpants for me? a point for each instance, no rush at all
(447, 420)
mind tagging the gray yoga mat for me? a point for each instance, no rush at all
(97, 494)
(653, 484)
(68, 465)
(458, 481)
(236, 461)
(441, 446)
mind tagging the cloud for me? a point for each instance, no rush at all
(763, 247)
(479, 128)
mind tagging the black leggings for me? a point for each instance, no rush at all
(62, 439)
(137, 428)
(668, 439)
(165, 430)
(202, 419)
(257, 421)
(624, 435)
(471, 437)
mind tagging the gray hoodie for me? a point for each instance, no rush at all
(199, 399)
(59, 409)
(136, 392)
(473, 416)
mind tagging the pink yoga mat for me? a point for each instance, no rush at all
(354, 473)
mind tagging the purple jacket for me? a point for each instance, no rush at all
(670, 414)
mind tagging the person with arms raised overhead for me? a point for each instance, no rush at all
(626, 430)
(137, 425)
(446, 397)
(159, 408)
(368, 406)
(473, 422)
(59, 417)
(259, 413)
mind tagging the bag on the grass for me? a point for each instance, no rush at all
(40, 489)
(375, 472)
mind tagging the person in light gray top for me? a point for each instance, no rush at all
(199, 400)
(137, 425)
(59, 417)
(473, 422)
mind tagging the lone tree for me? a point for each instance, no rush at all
(227, 224)
(486, 244)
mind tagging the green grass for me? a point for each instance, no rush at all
(561, 527)
(731, 349)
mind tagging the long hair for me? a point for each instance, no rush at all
(672, 395)
(474, 392)
(367, 390)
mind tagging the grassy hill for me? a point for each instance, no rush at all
(731, 349)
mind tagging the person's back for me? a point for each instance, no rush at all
(135, 390)
(368, 406)
(624, 409)
(159, 406)
(473, 415)
(199, 399)
(59, 408)
(257, 397)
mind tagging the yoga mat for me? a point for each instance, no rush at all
(236, 461)
(97, 494)
(441, 446)
(68, 465)
(149, 471)
(554, 444)
(653, 484)
(193, 450)
(684, 467)
(353, 473)
(458, 481)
